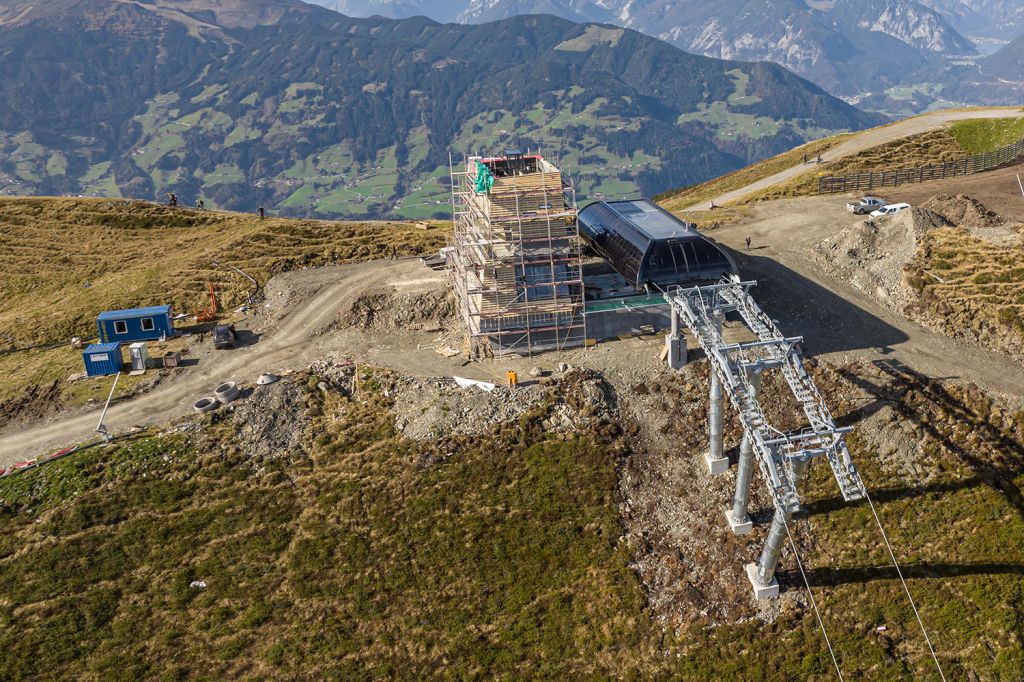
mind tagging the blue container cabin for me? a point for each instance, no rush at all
(102, 359)
(136, 324)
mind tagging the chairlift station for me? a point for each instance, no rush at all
(523, 285)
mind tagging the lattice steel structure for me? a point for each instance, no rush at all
(737, 370)
(515, 259)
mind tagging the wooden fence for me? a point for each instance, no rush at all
(967, 166)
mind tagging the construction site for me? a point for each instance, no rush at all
(730, 438)
(515, 260)
(532, 274)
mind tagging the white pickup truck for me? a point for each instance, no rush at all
(866, 205)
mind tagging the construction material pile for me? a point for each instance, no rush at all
(962, 211)
(870, 254)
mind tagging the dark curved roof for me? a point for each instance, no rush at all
(645, 243)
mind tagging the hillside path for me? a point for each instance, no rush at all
(866, 140)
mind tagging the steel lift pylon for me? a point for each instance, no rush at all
(737, 370)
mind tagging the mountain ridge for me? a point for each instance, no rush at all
(846, 46)
(328, 115)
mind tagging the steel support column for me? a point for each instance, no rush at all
(738, 518)
(675, 344)
(762, 574)
(717, 463)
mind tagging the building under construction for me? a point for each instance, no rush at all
(515, 259)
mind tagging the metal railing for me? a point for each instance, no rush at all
(970, 165)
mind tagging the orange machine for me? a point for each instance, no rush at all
(210, 312)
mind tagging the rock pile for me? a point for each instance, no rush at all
(395, 311)
(871, 253)
(272, 421)
(435, 407)
(962, 211)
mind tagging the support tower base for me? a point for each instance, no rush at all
(761, 592)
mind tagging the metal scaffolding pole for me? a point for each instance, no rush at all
(738, 518)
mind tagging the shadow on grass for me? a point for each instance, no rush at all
(856, 575)
(998, 475)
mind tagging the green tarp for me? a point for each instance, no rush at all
(484, 179)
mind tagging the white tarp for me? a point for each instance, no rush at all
(469, 383)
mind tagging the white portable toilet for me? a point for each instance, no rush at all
(138, 356)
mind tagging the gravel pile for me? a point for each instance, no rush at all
(435, 407)
(871, 253)
(398, 311)
(271, 422)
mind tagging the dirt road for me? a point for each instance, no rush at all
(866, 140)
(837, 320)
(292, 345)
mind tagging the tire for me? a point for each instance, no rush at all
(227, 392)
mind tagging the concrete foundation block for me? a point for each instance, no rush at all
(769, 591)
(738, 527)
(676, 347)
(716, 466)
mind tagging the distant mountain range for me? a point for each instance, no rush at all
(313, 113)
(1007, 63)
(983, 18)
(898, 56)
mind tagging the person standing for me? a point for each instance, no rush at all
(262, 213)
(748, 243)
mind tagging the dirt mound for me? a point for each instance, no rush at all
(963, 211)
(387, 311)
(871, 254)
(438, 407)
(40, 400)
(431, 408)
(271, 421)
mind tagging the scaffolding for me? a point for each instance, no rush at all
(515, 260)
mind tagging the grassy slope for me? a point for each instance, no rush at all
(136, 253)
(934, 146)
(492, 557)
(981, 291)
(62, 261)
(987, 135)
(677, 200)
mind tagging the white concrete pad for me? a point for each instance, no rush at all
(738, 527)
(717, 467)
(769, 591)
